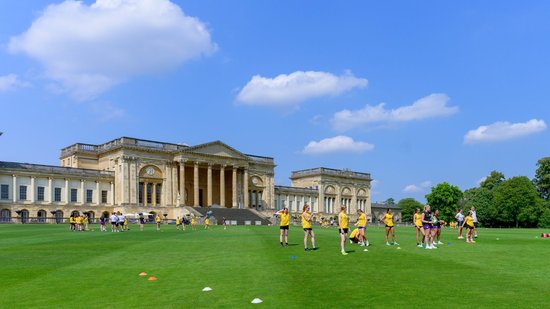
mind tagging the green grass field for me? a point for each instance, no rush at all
(47, 266)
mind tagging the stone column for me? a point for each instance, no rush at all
(222, 186)
(50, 197)
(32, 190)
(245, 188)
(354, 205)
(154, 194)
(98, 194)
(196, 184)
(112, 193)
(209, 185)
(82, 193)
(14, 189)
(234, 187)
(182, 182)
(67, 191)
(144, 193)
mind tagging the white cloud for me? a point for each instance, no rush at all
(89, 49)
(10, 82)
(434, 105)
(413, 188)
(296, 87)
(502, 131)
(336, 144)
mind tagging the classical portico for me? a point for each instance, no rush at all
(155, 174)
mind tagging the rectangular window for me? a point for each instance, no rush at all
(40, 194)
(4, 192)
(104, 197)
(23, 193)
(74, 195)
(57, 195)
(157, 196)
(89, 196)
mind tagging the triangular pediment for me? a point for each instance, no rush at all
(217, 148)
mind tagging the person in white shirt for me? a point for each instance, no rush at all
(474, 218)
(114, 220)
(120, 222)
(460, 218)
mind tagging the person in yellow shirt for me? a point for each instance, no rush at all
(354, 236)
(306, 225)
(362, 225)
(343, 222)
(86, 222)
(193, 223)
(206, 223)
(178, 223)
(157, 219)
(388, 221)
(469, 224)
(72, 223)
(418, 226)
(283, 225)
(79, 223)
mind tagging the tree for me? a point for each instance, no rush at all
(408, 205)
(493, 180)
(445, 197)
(542, 177)
(390, 201)
(518, 203)
(482, 199)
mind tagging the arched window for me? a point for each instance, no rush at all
(5, 216)
(41, 216)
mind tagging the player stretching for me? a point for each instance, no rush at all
(283, 225)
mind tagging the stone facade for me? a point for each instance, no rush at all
(135, 175)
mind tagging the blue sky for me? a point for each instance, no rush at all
(415, 93)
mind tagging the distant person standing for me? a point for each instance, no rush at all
(193, 223)
(102, 224)
(474, 218)
(469, 224)
(157, 220)
(437, 227)
(343, 226)
(460, 219)
(417, 221)
(224, 221)
(362, 226)
(178, 223)
(114, 220)
(306, 225)
(284, 225)
(141, 222)
(427, 222)
(206, 223)
(388, 221)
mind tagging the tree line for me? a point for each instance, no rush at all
(499, 201)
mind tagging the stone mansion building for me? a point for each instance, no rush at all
(134, 175)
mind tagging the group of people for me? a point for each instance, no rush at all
(427, 225)
(469, 222)
(343, 228)
(119, 223)
(78, 222)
